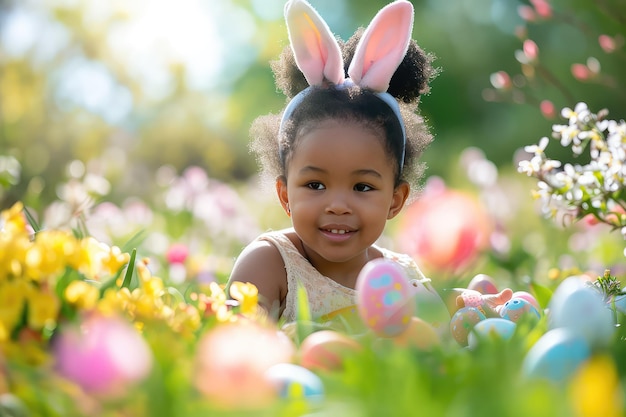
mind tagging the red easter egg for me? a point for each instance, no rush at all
(384, 297)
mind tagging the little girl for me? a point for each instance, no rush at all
(343, 155)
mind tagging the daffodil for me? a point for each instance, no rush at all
(82, 295)
(595, 390)
(247, 295)
(43, 308)
(13, 295)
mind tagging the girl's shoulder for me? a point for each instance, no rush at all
(283, 240)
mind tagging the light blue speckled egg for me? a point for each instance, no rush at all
(516, 308)
(490, 327)
(295, 382)
(556, 355)
(584, 311)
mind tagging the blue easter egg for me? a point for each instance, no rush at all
(295, 382)
(501, 328)
(556, 355)
(584, 311)
(516, 308)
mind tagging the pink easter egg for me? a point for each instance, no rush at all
(528, 297)
(384, 297)
(484, 284)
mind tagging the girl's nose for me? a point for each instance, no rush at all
(338, 204)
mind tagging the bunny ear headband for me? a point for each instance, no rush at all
(378, 54)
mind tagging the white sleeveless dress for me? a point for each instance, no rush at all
(325, 296)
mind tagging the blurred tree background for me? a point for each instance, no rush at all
(130, 86)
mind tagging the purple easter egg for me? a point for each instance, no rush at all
(484, 284)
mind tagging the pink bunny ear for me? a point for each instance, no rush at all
(315, 48)
(382, 46)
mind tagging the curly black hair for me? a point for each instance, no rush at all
(273, 146)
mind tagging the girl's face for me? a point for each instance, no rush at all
(340, 190)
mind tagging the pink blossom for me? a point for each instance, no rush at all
(531, 50)
(177, 253)
(527, 13)
(581, 72)
(543, 8)
(103, 355)
(547, 109)
(501, 80)
(607, 43)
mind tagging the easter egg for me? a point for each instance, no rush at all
(584, 311)
(463, 321)
(516, 308)
(384, 297)
(326, 350)
(231, 361)
(483, 283)
(490, 327)
(528, 297)
(556, 355)
(295, 382)
(418, 334)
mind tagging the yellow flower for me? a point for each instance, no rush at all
(114, 259)
(217, 302)
(13, 220)
(248, 296)
(4, 333)
(43, 308)
(595, 389)
(47, 256)
(90, 258)
(13, 295)
(82, 295)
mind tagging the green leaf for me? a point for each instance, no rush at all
(130, 270)
(304, 325)
(542, 293)
(134, 241)
(177, 295)
(31, 220)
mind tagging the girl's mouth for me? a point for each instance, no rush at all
(337, 234)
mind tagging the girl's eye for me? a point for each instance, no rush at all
(316, 185)
(363, 187)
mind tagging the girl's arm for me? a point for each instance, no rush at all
(260, 264)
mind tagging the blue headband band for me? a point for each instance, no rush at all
(384, 96)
